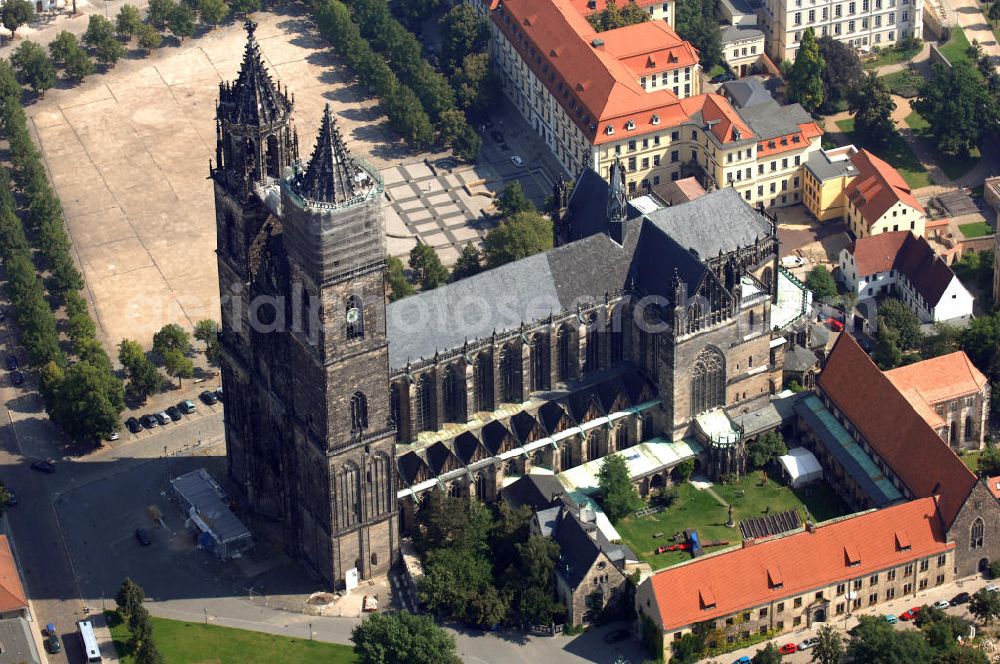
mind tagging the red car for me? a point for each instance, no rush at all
(788, 649)
(910, 614)
(835, 324)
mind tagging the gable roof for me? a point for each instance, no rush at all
(938, 379)
(578, 551)
(732, 581)
(911, 255)
(12, 597)
(539, 492)
(903, 440)
(878, 187)
(746, 92)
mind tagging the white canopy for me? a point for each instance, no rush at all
(801, 467)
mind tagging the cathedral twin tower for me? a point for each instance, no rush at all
(301, 257)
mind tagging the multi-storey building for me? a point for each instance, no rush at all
(826, 176)
(864, 24)
(880, 201)
(632, 94)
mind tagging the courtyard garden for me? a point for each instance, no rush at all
(705, 510)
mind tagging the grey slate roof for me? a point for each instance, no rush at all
(253, 99)
(824, 169)
(733, 33)
(800, 359)
(577, 551)
(771, 120)
(746, 92)
(332, 175)
(540, 492)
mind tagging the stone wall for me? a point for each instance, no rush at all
(982, 506)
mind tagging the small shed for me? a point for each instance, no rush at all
(201, 498)
(801, 467)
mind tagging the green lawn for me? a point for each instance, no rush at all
(715, 71)
(891, 56)
(904, 83)
(897, 153)
(955, 49)
(971, 459)
(976, 229)
(193, 643)
(954, 166)
(699, 510)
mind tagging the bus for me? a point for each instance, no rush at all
(90, 649)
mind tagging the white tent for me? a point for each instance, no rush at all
(801, 467)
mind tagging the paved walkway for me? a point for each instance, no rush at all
(975, 25)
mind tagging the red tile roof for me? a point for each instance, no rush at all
(733, 581)
(893, 427)
(994, 484)
(648, 47)
(12, 597)
(938, 379)
(911, 255)
(877, 187)
(807, 131)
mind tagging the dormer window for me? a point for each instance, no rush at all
(629, 125)
(655, 120)
(851, 555)
(609, 130)
(737, 134)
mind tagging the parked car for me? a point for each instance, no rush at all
(992, 588)
(142, 535)
(616, 636)
(162, 417)
(890, 618)
(148, 421)
(743, 660)
(174, 413)
(961, 598)
(53, 644)
(48, 629)
(112, 436)
(133, 425)
(187, 406)
(835, 324)
(517, 161)
(11, 362)
(809, 643)
(43, 466)
(792, 261)
(218, 395)
(723, 77)
(942, 604)
(208, 397)
(910, 613)
(788, 649)
(16, 377)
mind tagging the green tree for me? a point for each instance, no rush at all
(178, 365)
(181, 21)
(512, 200)
(476, 85)
(33, 66)
(4, 499)
(207, 331)
(618, 496)
(943, 340)
(130, 597)
(99, 29)
(985, 605)
(517, 237)
(981, 342)
(684, 470)
(79, 65)
(767, 655)
(62, 45)
(988, 463)
(463, 33)
(212, 11)
(872, 106)
(402, 638)
(876, 642)
(245, 7)
(994, 13)
(842, 71)
(895, 314)
(109, 51)
(427, 267)
(830, 647)
(148, 653)
(766, 449)
(395, 274)
(143, 377)
(159, 12)
(140, 627)
(85, 401)
(821, 283)
(695, 22)
(171, 337)
(805, 79)
(15, 13)
(962, 655)
(959, 109)
(469, 263)
(612, 17)
(886, 353)
(148, 37)
(686, 650)
(128, 21)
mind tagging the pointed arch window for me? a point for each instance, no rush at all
(359, 411)
(483, 392)
(424, 406)
(593, 361)
(349, 495)
(968, 428)
(976, 539)
(355, 314)
(562, 353)
(708, 381)
(593, 447)
(394, 411)
(454, 395)
(539, 352)
(508, 375)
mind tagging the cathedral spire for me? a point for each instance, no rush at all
(253, 99)
(332, 176)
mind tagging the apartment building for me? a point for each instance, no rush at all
(633, 94)
(742, 48)
(826, 176)
(880, 201)
(865, 24)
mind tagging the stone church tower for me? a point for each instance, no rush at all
(301, 255)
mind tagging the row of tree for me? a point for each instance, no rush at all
(83, 397)
(141, 645)
(172, 347)
(483, 566)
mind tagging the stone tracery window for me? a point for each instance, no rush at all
(424, 406)
(976, 539)
(562, 353)
(539, 355)
(355, 312)
(359, 411)
(708, 381)
(453, 389)
(593, 361)
(483, 392)
(508, 375)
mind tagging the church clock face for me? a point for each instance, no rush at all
(353, 314)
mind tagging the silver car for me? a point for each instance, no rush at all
(809, 643)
